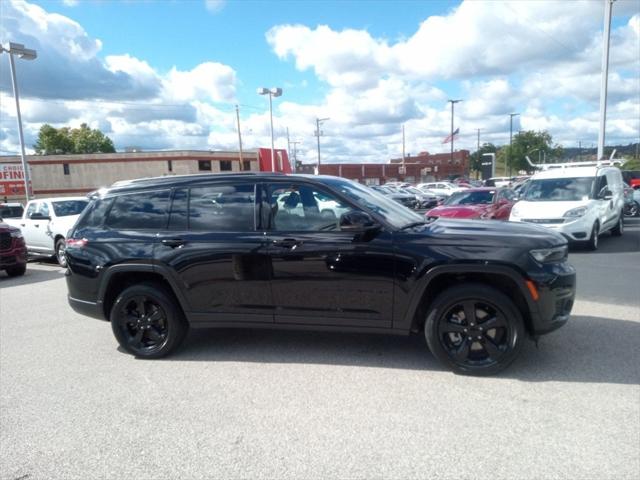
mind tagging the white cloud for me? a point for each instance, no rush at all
(214, 6)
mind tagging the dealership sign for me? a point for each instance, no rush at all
(11, 180)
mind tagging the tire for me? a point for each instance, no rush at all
(618, 230)
(592, 243)
(632, 209)
(17, 271)
(59, 249)
(484, 351)
(147, 321)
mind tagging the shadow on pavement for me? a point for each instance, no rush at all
(32, 275)
(588, 349)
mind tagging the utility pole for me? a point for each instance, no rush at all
(239, 137)
(318, 133)
(477, 151)
(288, 147)
(295, 156)
(453, 102)
(608, 6)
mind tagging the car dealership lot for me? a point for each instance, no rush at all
(275, 404)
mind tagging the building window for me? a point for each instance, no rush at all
(65, 168)
(204, 165)
(225, 165)
(246, 165)
(170, 165)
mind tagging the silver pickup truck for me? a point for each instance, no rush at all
(45, 223)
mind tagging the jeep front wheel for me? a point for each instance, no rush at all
(474, 329)
(147, 321)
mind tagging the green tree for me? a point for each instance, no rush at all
(536, 145)
(54, 141)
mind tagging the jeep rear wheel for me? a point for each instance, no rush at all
(147, 321)
(474, 329)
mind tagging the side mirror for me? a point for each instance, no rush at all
(605, 194)
(39, 216)
(357, 221)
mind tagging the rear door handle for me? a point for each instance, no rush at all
(287, 243)
(173, 242)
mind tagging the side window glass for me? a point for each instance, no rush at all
(178, 219)
(96, 214)
(31, 209)
(304, 208)
(602, 183)
(139, 211)
(223, 208)
(44, 209)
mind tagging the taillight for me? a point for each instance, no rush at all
(77, 242)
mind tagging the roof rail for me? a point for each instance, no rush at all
(591, 163)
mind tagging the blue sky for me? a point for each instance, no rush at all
(166, 74)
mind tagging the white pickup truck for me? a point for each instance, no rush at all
(45, 223)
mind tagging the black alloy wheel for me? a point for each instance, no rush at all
(147, 322)
(474, 329)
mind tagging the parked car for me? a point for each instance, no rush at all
(631, 201)
(631, 177)
(425, 198)
(11, 210)
(13, 252)
(406, 199)
(582, 203)
(45, 223)
(498, 182)
(156, 257)
(483, 203)
(440, 188)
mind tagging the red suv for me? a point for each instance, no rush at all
(13, 251)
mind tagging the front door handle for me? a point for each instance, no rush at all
(173, 242)
(287, 243)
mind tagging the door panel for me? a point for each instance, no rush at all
(219, 259)
(321, 275)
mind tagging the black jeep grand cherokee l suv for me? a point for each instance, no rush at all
(156, 256)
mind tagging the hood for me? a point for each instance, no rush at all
(524, 209)
(458, 211)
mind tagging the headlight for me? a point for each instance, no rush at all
(576, 212)
(548, 255)
(16, 233)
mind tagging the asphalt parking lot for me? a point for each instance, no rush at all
(268, 404)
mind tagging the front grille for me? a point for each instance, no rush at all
(5, 241)
(544, 221)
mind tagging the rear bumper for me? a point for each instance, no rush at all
(84, 307)
(556, 298)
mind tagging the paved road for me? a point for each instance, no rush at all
(253, 404)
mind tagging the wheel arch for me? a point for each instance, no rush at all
(504, 279)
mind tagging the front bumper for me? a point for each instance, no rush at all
(90, 309)
(573, 229)
(556, 295)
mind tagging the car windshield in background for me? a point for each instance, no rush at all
(559, 190)
(471, 198)
(11, 212)
(392, 212)
(69, 207)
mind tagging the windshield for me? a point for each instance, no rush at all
(392, 212)
(10, 211)
(69, 207)
(558, 190)
(471, 198)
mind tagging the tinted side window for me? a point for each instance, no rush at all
(139, 211)
(96, 213)
(178, 220)
(31, 209)
(222, 208)
(44, 209)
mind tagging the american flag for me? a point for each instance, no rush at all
(452, 136)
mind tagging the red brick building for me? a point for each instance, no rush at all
(423, 167)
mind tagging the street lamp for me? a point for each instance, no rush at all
(511, 115)
(272, 92)
(319, 122)
(26, 54)
(452, 102)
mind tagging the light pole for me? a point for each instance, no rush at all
(319, 122)
(26, 54)
(452, 102)
(608, 5)
(511, 115)
(272, 92)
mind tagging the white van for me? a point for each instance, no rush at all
(579, 202)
